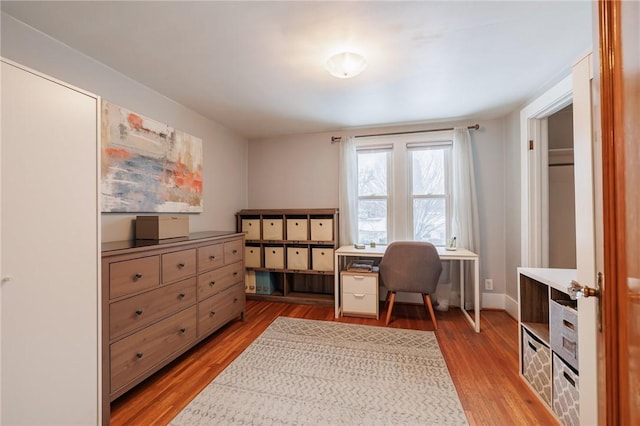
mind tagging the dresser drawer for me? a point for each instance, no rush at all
(360, 283)
(132, 276)
(233, 251)
(136, 354)
(220, 308)
(178, 265)
(219, 279)
(210, 257)
(141, 310)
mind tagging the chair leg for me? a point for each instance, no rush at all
(386, 300)
(391, 302)
(427, 304)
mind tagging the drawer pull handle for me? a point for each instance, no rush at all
(212, 313)
(234, 252)
(183, 330)
(212, 257)
(235, 299)
(139, 354)
(181, 265)
(137, 276)
(181, 295)
(569, 325)
(235, 274)
(532, 347)
(358, 277)
(138, 312)
(359, 296)
(569, 379)
(212, 283)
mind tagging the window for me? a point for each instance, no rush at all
(373, 195)
(429, 193)
(404, 189)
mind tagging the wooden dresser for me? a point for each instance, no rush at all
(162, 297)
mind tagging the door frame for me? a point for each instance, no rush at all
(534, 189)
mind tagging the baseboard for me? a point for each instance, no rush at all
(511, 306)
(493, 301)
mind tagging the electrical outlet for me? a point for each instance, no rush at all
(488, 284)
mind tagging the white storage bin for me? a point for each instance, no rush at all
(322, 259)
(250, 282)
(322, 229)
(272, 229)
(297, 258)
(252, 257)
(536, 364)
(563, 331)
(274, 257)
(251, 227)
(297, 229)
(566, 394)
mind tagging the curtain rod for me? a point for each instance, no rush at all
(335, 139)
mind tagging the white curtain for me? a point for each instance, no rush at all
(464, 213)
(348, 191)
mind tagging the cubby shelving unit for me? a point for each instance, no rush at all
(295, 248)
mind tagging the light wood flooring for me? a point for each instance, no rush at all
(484, 366)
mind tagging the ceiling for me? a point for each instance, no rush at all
(258, 67)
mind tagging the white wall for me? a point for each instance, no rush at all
(225, 153)
(301, 171)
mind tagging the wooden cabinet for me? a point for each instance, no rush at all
(160, 298)
(289, 253)
(548, 330)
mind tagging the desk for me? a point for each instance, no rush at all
(460, 254)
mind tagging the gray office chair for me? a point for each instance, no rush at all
(411, 267)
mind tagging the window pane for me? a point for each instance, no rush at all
(429, 220)
(372, 173)
(428, 171)
(372, 221)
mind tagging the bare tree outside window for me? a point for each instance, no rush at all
(373, 194)
(429, 194)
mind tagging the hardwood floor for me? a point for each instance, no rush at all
(484, 366)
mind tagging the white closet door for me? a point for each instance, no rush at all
(49, 252)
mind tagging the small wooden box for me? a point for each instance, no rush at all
(251, 227)
(297, 230)
(322, 229)
(297, 258)
(274, 257)
(322, 259)
(272, 229)
(252, 257)
(161, 227)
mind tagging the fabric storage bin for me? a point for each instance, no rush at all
(322, 229)
(265, 283)
(272, 229)
(563, 331)
(250, 282)
(322, 259)
(297, 229)
(252, 257)
(536, 364)
(297, 258)
(274, 257)
(161, 227)
(566, 395)
(251, 227)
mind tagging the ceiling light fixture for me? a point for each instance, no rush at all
(346, 64)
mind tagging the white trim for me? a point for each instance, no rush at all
(493, 301)
(556, 98)
(511, 306)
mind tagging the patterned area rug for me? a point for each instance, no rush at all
(307, 372)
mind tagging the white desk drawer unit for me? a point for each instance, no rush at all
(360, 294)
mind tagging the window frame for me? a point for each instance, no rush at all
(388, 150)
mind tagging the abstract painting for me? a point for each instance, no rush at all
(148, 166)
